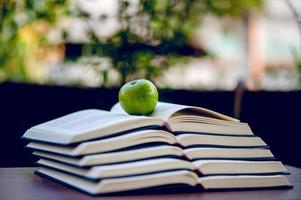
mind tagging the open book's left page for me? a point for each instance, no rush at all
(86, 125)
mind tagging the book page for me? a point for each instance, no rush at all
(166, 110)
(81, 121)
(163, 110)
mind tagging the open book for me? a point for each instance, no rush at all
(202, 167)
(95, 124)
(149, 136)
(196, 153)
(186, 177)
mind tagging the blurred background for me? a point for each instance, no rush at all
(238, 57)
(192, 44)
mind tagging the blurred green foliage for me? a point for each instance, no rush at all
(153, 35)
(156, 35)
(23, 27)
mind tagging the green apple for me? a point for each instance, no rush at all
(138, 97)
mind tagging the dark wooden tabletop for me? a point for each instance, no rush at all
(23, 184)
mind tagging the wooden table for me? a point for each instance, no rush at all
(23, 184)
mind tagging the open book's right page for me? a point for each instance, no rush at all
(166, 110)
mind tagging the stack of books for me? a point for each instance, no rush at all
(102, 152)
